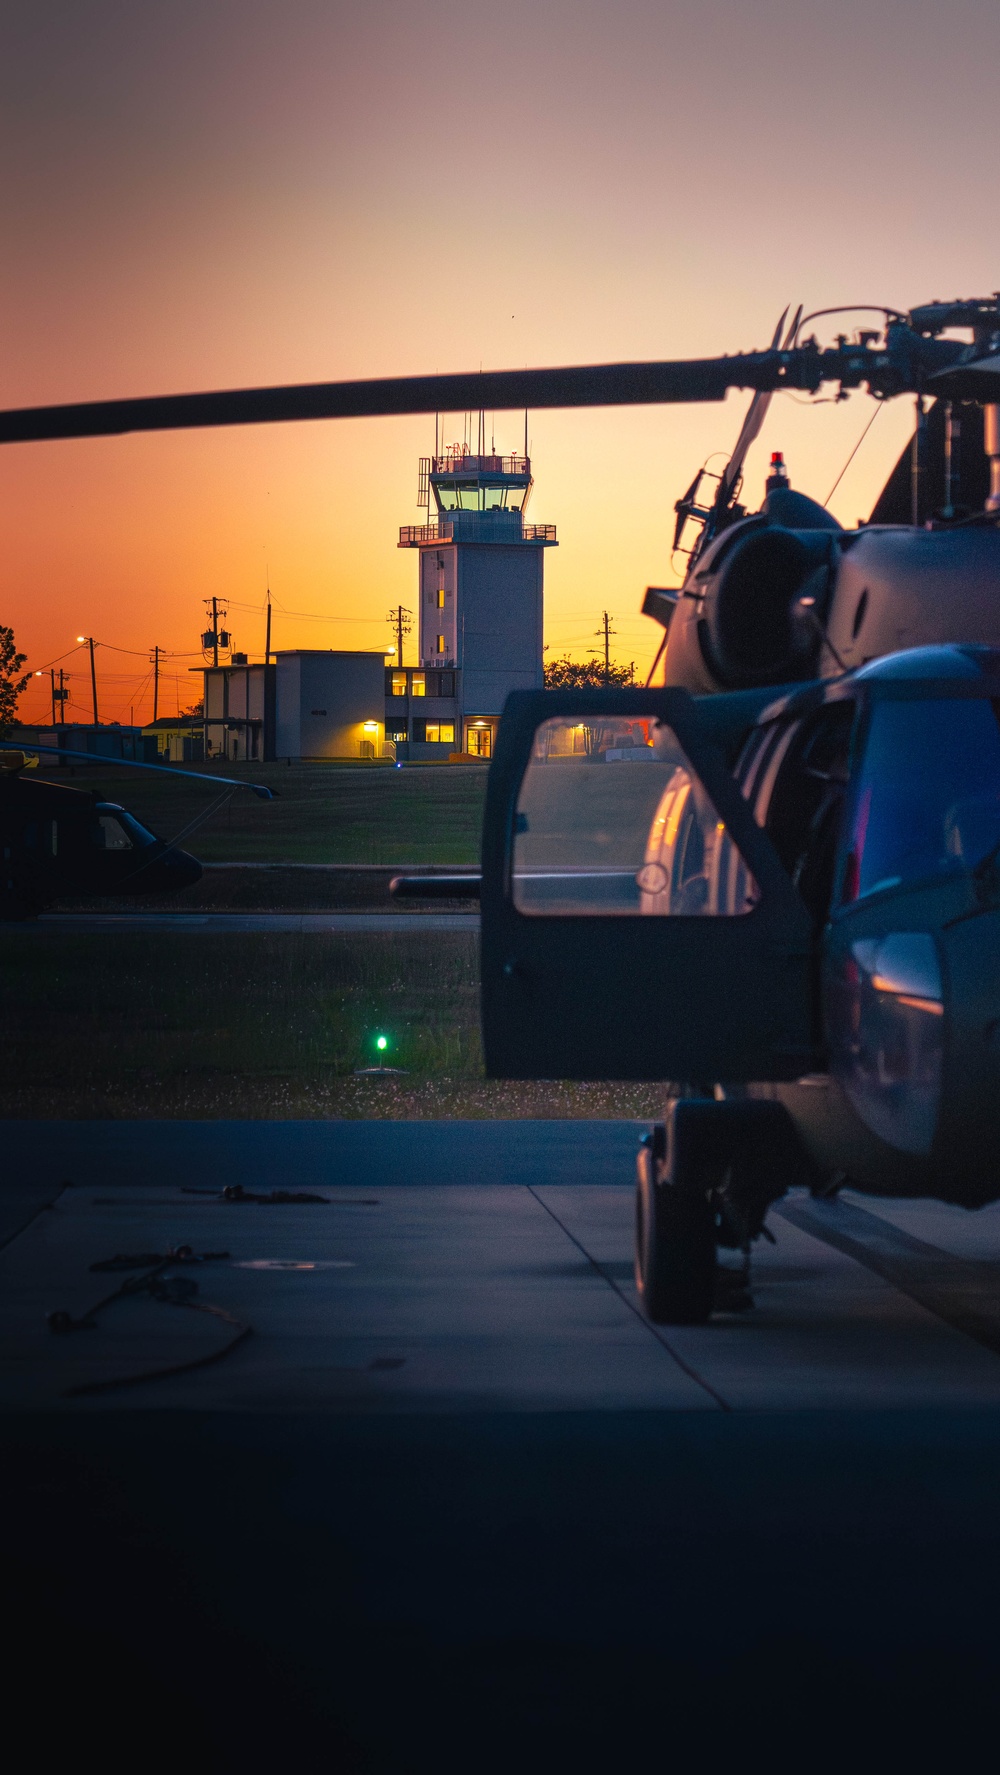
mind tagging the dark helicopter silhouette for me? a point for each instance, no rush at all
(781, 892)
(56, 840)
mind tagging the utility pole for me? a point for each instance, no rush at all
(267, 631)
(57, 696)
(156, 682)
(606, 631)
(213, 638)
(400, 620)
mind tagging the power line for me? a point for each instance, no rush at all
(59, 656)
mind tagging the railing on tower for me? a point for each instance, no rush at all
(469, 526)
(458, 460)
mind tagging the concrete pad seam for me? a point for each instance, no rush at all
(685, 1367)
(42, 1208)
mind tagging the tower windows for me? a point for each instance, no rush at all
(440, 598)
(441, 644)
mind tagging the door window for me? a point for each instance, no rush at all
(636, 921)
(612, 821)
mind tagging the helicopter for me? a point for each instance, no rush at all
(56, 840)
(787, 905)
(772, 880)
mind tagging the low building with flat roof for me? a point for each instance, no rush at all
(179, 739)
(330, 704)
(109, 739)
(239, 711)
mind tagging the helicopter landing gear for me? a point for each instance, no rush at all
(674, 1239)
(706, 1178)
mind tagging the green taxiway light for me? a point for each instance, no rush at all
(382, 1042)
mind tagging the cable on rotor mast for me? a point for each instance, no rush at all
(854, 452)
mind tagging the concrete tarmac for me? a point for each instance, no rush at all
(451, 1267)
(452, 1503)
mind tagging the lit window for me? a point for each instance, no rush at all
(399, 684)
(441, 733)
(441, 645)
(441, 597)
(418, 684)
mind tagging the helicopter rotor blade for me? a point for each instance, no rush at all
(595, 385)
(756, 413)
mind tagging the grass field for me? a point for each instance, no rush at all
(323, 813)
(165, 1024)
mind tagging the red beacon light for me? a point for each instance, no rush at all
(777, 474)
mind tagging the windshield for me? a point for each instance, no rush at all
(928, 794)
(118, 830)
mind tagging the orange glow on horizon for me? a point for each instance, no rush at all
(241, 196)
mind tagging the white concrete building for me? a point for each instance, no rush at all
(329, 705)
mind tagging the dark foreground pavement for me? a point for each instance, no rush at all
(456, 1507)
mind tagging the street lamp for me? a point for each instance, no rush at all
(88, 640)
(52, 678)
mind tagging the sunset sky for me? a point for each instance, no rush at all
(214, 193)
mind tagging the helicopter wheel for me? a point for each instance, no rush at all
(674, 1241)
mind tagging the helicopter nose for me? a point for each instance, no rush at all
(172, 870)
(180, 869)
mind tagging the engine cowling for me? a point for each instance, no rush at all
(753, 628)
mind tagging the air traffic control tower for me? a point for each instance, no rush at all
(479, 630)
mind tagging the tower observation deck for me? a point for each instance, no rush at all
(477, 499)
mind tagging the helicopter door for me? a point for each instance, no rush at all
(636, 922)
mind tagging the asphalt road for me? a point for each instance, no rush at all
(214, 923)
(451, 1503)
